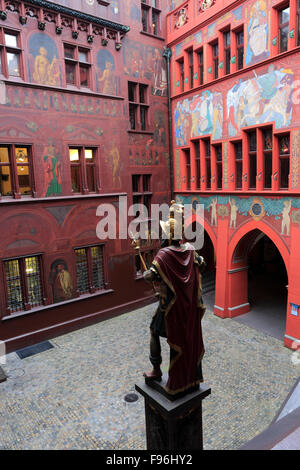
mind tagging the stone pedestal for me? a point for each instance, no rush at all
(2, 375)
(173, 424)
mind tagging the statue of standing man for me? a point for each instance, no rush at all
(177, 268)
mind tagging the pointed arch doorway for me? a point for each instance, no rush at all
(265, 283)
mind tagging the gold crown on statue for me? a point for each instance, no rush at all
(173, 228)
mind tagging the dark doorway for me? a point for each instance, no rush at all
(267, 288)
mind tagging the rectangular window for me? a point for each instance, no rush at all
(138, 106)
(89, 269)
(187, 155)
(238, 150)
(181, 74)
(215, 53)
(141, 190)
(268, 157)
(218, 149)
(23, 283)
(240, 49)
(83, 169)
(208, 163)
(227, 51)
(10, 53)
(201, 66)
(150, 13)
(77, 66)
(191, 68)
(284, 22)
(198, 164)
(252, 141)
(284, 161)
(15, 171)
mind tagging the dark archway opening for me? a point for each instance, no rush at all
(267, 287)
(209, 275)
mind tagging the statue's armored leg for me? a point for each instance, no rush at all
(155, 358)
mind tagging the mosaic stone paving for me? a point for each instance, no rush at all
(72, 396)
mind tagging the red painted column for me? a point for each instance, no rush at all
(292, 334)
(245, 162)
(202, 165)
(231, 167)
(238, 291)
(187, 85)
(274, 44)
(221, 54)
(260, 161)
(221, 296)
(208, 60)
(275, 165)
(196, 69)
(233, 65)
(293, 24)
(193, 167)
(213, 169)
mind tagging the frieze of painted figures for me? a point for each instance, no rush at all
(258, 99)
(60, 102)
(280, 212)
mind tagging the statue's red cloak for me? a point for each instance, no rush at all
(179, 269)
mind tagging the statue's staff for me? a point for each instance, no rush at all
(136, 244)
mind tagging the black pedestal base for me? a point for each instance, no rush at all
(173, 425)
(2, 375)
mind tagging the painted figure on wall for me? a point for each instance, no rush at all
(286, 219)
(52, 171)
(261, 99)
(61, 281)
(257, 34)
(159, 74)
(106, 77)
(146, 62)
(200, 116)
(43, 64)
(114, 160)
(233, 213)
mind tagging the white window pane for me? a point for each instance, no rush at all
(74, 155)
(11, 40)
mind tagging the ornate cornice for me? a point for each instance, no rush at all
(63, 16)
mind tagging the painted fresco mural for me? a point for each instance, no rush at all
(52, 171)
(201, 115)
(263, 98)
(258, 32)
(280, 212)
(146, 62)
(61, 281)
(106, 79)
(43, 65)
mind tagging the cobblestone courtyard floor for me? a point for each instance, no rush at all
(72, 396)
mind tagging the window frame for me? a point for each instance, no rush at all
(13, 168)
(240, 47)
(227, 48)
(5, 49)
(151, 17)
(282, 26)
(282, 157)
(138, 110)
(83, 165)
(90, 279)
(215, 59)
(24, 287)
(77, 63)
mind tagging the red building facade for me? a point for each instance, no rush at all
(235, 73)
(83, 121)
